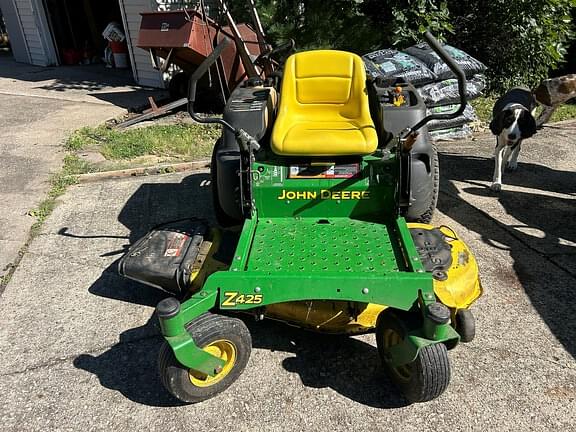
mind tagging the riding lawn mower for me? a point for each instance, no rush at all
(323, 185)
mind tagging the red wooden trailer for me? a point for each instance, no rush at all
(185, 38)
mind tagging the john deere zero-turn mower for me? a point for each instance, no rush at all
(321, 172)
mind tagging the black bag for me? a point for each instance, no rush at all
(467, 63)
(446, 92)
(469, 115)
(389, 63)
(164, 257)
(452, 134)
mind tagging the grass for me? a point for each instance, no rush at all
(188, 141)
(483, 107)
(565, 112)
(4, 280)
(67, 176)
(59, 182)
(183, 141)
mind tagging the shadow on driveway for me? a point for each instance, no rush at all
(91, 80)
(130, 366)
(546, 228)
(152, 204)
(349, 366)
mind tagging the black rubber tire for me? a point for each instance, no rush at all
(465, 325)
(426, 217)
(178, 86)
(209, 98)
(222, 217)
(428, 376)
(205, 330)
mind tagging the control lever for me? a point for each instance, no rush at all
(246, 141)
(455, 68)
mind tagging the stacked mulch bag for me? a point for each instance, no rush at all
(390, 63)
(435, 82)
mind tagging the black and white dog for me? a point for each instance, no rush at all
(512, 121)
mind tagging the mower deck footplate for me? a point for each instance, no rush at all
(325, 245)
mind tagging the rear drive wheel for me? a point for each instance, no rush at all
(427, 376)
(209, 97)
(223, 337)
(222, 217)
(465, 325)
(178, 85)
(426, 217)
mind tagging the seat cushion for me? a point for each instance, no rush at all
(326, 139)
(324, 107)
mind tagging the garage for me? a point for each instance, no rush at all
(69, 32)
(76, 28)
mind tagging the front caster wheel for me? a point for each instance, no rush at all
(427, 376)
(465, 325)
(223, 337)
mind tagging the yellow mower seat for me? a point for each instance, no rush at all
(324, 107)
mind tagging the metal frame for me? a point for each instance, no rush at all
(408, 288)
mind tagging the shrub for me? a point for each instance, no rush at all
(519, 40)
(335, 24)
(401, 22)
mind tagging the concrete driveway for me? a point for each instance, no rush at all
(39, 108)
(78, 344)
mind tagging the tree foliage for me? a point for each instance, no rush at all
(337, 24)
(520, 41)
(401, 22)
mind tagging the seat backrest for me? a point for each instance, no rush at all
(325, 82)
(325, 86)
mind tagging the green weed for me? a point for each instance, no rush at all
(188, 141)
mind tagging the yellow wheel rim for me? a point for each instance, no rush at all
(224, 350)
(391, 338)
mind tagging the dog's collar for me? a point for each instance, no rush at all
(515, 105)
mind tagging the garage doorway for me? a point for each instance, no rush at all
(77, 25)
(4, 40)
